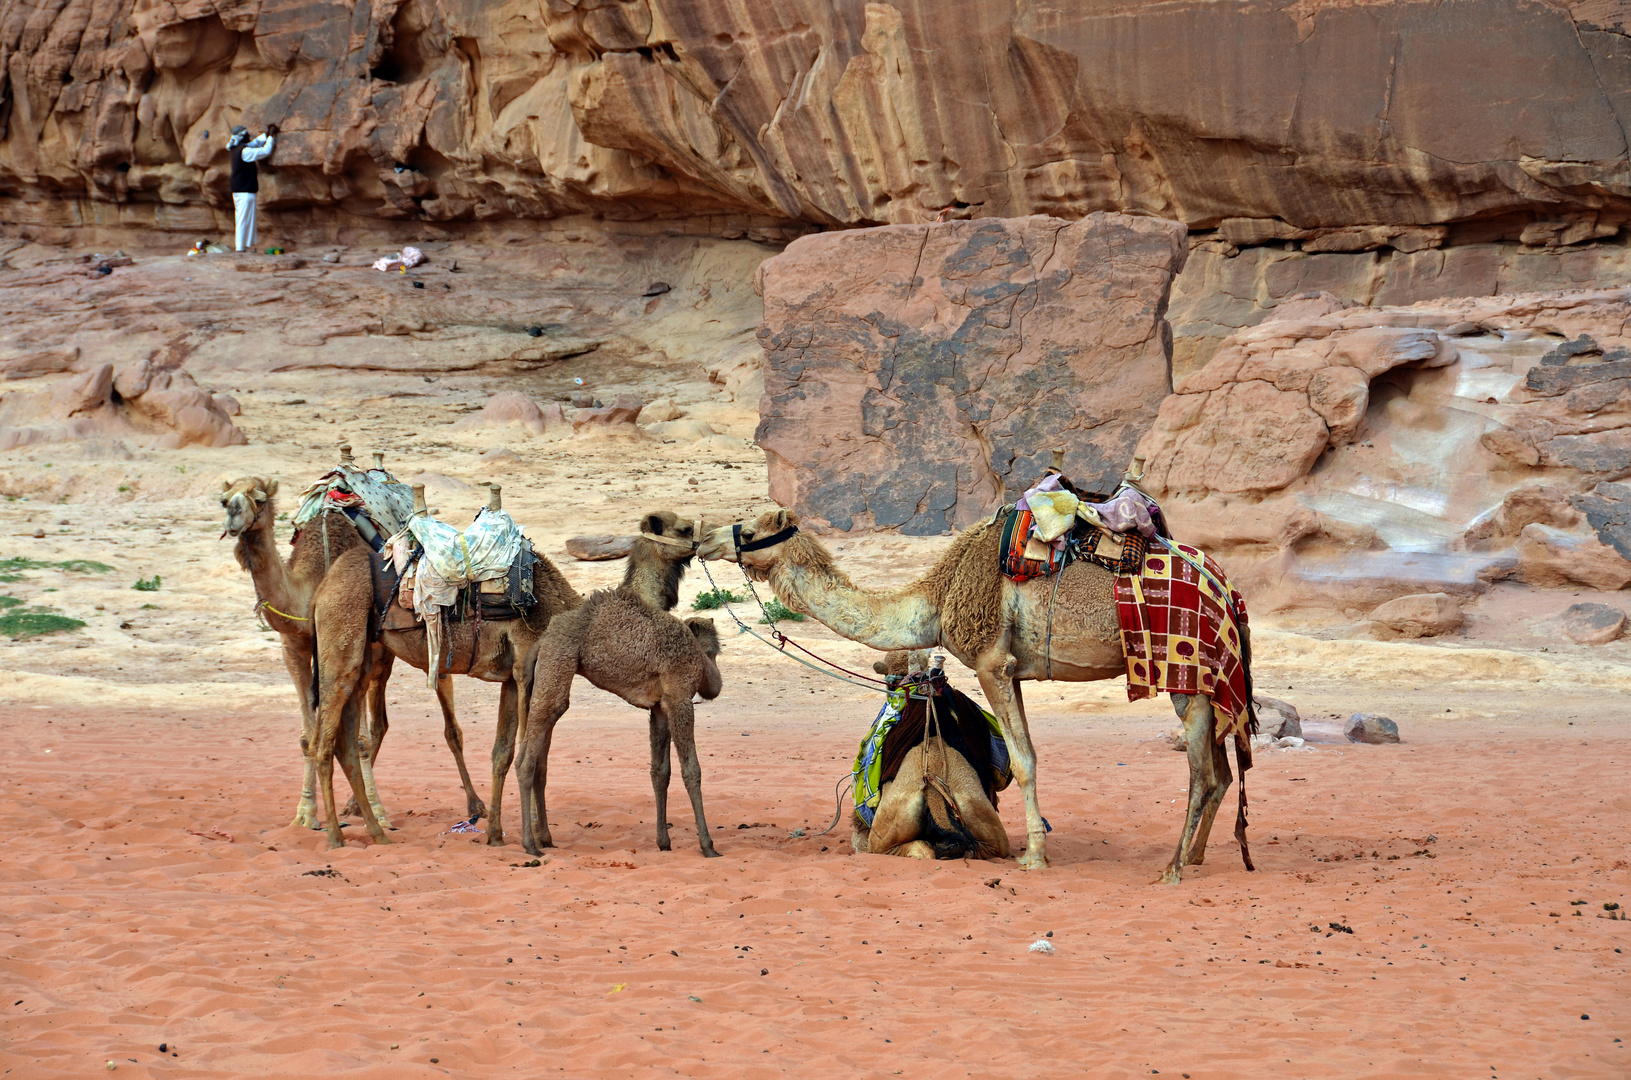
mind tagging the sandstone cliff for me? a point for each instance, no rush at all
(1342, 126)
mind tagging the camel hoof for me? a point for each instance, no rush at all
(664, 844)
(305, 821)
(495, 839)
(709, 853)
(351, 809)
(477, 808)
(1038, 861)
(1170, 876)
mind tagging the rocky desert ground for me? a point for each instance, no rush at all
(1443, 906)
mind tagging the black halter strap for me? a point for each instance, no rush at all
(763, 542)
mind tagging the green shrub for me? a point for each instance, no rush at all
(148, 584)
(35, 622)
(776, 612)
(715, 598)
(11, 569)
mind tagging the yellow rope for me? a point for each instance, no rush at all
(275, 611)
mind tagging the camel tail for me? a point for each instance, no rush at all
(1243, 743)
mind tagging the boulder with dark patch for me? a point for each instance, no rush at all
(1591, 624)
(918, 376)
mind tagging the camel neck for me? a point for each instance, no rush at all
(652, 579)
(905, 618)
(257, 552)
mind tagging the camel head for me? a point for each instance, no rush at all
(667, 529)
(902, 662)
(243, 500)
(756, 546)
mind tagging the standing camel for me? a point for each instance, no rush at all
(489, 650)
(285, 591)
(1060, 627)
(623, 643)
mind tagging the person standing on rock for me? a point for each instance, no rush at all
(245, 178)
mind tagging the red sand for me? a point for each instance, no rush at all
(1469, 956)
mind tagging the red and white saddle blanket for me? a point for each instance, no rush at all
(1181, 626)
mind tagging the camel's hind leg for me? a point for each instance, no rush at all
(503, 755)
(662, 770)
(1203, 780)
(297, 658)
(1220, 779)
(369, 741)
(682, 721)
(455, 742)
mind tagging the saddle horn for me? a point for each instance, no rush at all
(418, 499)
(495, 500)
(379, 460)
(345, 453)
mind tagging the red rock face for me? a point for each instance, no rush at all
(918, 376)
(1342, 126)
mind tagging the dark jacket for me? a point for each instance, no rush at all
(245, 174)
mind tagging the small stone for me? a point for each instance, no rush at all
(39, 533)
(1592, 624)
(1369, 728)
(660, 411)
(599, 548)
(1179, 741)
(1043, 946)
(657, 288)
(623, 412)
(164, 1048)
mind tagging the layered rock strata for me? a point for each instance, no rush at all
(1343, 127)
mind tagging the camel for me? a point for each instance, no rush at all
(1060, 627)
(493, 651)
(911, 818)
(285, 592)
(623, 643)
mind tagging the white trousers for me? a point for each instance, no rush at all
(244, 203)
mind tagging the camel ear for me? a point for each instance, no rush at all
(258, 495)
(271, 487)
(226, 486)
(785, 518)
(880, 667)
(654, 524)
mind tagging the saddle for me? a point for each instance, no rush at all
(499, 600)
(1021, 557)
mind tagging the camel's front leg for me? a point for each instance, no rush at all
(662, 770)
(455, 742)
(1198, 734)
(352, 744)
(996, 673)
(1218, 780)
(550, 697)
(682, 720)
(503, 755)
(297, 656)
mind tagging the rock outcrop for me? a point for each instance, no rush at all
(1341, 127)
(1417, 616)
(142, 403)
(918, 376)
(1384, 451)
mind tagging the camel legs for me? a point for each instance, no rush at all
(369, 741)
(661, 771)
(682, 720)
(1206, 787)
(547, 701)
(455, 743)
(337, 717)
(297, 658)
(503, 755)
(996, 673)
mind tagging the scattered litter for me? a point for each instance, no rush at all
(694, 998)
(467, 826)
(408, 257)
(274, 251)
(213, 834)
(1044, 946)
(796, 833)
(617, 987)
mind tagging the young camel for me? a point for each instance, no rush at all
(285, 591)
(1001, 629)
(623, 643)
(493, 651)
(909, 810)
